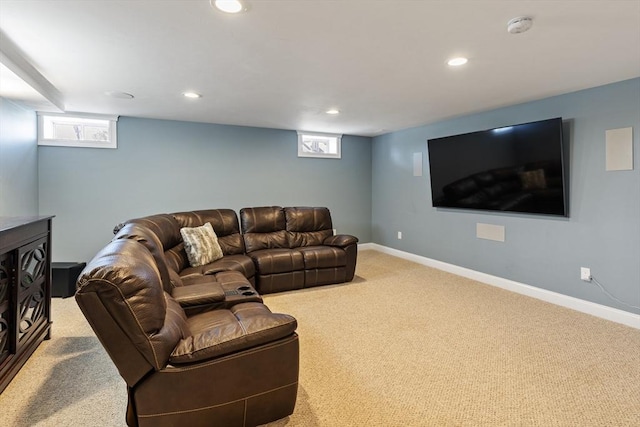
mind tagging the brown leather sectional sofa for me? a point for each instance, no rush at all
(195, 345)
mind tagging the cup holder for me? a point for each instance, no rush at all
(244, 288)
(248, 293)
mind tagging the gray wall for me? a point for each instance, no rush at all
(164, 166)
(18, 160)
(602, 232)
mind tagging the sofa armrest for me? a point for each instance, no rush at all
(198, 294)
(220, 332)
(340, 240)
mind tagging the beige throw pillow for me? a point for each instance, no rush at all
(201, 244)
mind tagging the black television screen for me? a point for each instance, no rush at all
(516, 168)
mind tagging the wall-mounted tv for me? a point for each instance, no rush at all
(515, 168)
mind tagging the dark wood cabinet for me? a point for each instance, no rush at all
(25, 290)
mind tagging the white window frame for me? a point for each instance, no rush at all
(112, 142)
(303, 153)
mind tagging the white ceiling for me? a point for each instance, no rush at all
(282, 64)
(14, 87)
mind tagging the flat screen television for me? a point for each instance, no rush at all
(515, 168)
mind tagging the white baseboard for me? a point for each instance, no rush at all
(588, 307)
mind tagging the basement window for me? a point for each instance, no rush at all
(323, 145)
(77, 130)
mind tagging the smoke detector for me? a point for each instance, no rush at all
(519, 25)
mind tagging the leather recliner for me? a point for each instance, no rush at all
(227, 367)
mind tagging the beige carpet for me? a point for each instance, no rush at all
(401, 345)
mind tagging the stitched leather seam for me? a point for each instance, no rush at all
(162, 414)
(244, 330)
(244, 416)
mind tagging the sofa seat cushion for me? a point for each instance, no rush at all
(220, 332)
(241, 263)
(272, 261)
(322, 257)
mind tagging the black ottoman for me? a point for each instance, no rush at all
(63, 278)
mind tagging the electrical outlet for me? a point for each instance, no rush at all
(399, 235)
(335, 232)
(585, 274)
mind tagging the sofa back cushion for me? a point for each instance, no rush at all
(167, 229)
(264, 228)
(150, 240)
(121, 296)
(225, 225)
(307, 226)
(164, 226)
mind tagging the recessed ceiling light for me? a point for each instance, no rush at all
(119, 95)
(191, 95)
(333, 111)
(519, 25)
(456, 62)
(229, 6)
